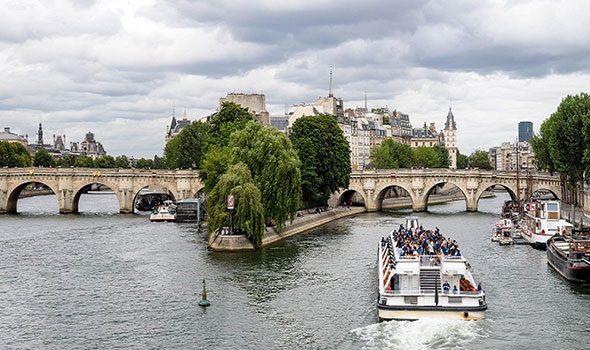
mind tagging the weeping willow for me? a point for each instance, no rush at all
(274, 165)
(248, 213)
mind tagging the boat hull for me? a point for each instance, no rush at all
(162, 219)
(406, 314)
(579, 275)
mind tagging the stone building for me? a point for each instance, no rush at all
(255, 103)
(89, 147)
(176, 125)
(506, 156)
(9, 136)
(450, 139)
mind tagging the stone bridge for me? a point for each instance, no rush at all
(372, 186)
(69, 183)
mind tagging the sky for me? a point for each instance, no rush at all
(118, 68)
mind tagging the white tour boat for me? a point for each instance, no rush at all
(164, 212)
(432, 282)
(541, 221)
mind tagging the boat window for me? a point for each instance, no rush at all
(552, 207)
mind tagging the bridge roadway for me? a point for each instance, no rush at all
(69, 183)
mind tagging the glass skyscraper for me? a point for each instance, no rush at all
(525, 131)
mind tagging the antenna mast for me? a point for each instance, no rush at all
(330, 91)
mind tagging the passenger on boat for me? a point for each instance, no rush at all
(455, 289)
(446, 287)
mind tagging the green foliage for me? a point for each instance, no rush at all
(43, 159)
(84, 162)
(392, 155)
(249, 211)
(230, 118)
(274, 166)
(215, 164)
(187, 149)
(122, 162)
(66, 161)
(325, 158)
(13, 154)
(143, 163)
(462, 161)
(479, 159)
(443, 157)
(105, 161)
(563, 142)
(426, 157)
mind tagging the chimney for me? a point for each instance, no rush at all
(6, 129)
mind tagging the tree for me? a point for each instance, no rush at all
(187, 149)
(248, 213)
(215, 164)
(84, 162)
(462, 161)
(13, 154)
(426, 157)
(274, 166)
(66, 161)
(443, 156)
(122, 162)
(231, 117)
(325, 158)
(43, 159)
(479, 159)
(392, 155)
(559, 145)
(143, 163)
(105, 161)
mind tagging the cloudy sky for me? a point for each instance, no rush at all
(117, 68)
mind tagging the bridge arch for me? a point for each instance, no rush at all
(430, 188)
(14, 193)
(81, 189)
(543, 189)
(508, 187)
(383, 190)
(352, 195)
(162, 187)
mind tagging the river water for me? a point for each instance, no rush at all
(104, 280)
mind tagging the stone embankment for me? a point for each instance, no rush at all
(301, 224)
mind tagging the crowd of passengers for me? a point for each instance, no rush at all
(424, 242)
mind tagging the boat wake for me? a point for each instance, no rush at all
(420, 334)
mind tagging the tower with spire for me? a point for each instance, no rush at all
(450, 137)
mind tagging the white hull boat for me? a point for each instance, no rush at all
(433, 280)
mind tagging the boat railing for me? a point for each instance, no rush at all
(429, 292)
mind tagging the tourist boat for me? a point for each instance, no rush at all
(502, 227)
(436, 284)
(164, 212)
(570, 256)
(541, 221)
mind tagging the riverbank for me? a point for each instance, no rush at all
(239, 243)
(34, 193)
(306, 222)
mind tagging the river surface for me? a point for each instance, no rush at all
(104, 280)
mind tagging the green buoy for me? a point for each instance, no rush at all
(204, 302)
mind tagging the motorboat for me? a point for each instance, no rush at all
(164, 212)
(501, 228)
(422, 274)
